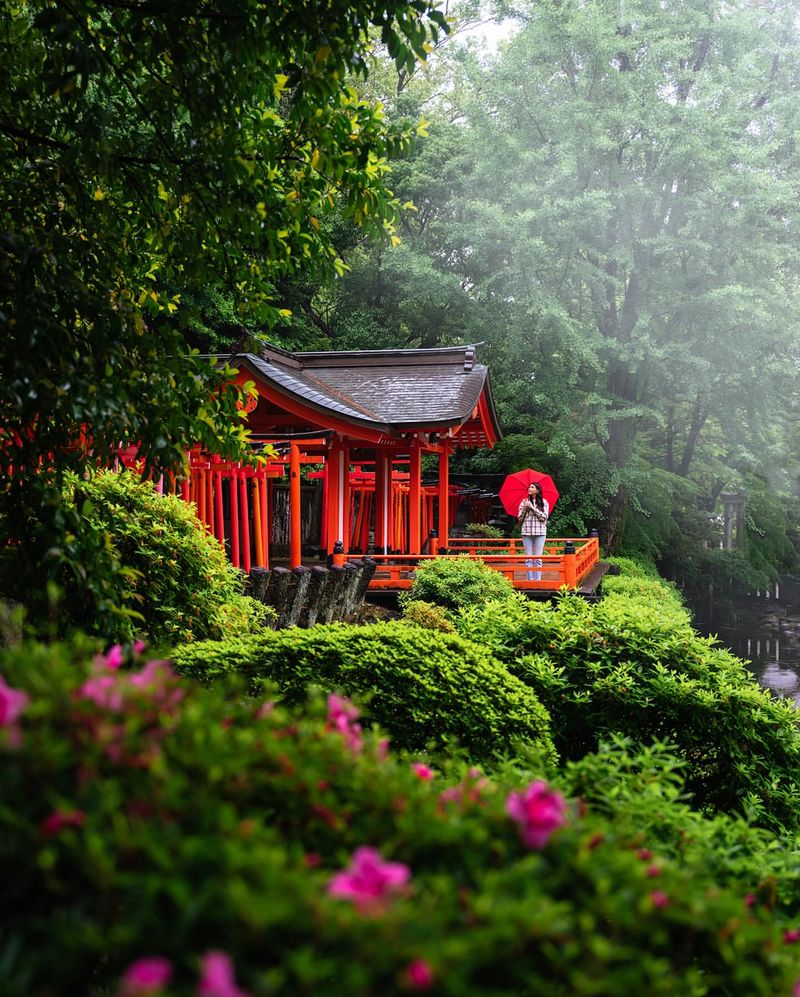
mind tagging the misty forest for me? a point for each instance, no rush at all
(482, 784)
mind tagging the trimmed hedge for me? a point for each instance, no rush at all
(150, 568)
(631, 664)
(456, 582)
(420, 685)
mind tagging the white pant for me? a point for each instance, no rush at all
(533, 546)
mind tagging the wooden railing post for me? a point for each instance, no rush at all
(569, 564)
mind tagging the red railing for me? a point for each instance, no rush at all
(560, 566)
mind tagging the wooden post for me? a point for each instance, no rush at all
(218, 518)
(569, 564)
(444, 496)
(233, 486)
(258, 540)
(345, 519)
(295, 514)
(244, 517)
(414, 498)
(261, 483)
(382, 496)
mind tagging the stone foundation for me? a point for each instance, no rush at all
(301, 597)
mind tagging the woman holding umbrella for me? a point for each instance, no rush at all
(532, 516)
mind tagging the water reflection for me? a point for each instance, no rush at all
(770, 649)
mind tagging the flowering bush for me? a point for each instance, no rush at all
(236, 848)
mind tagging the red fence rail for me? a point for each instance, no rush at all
(561, 566)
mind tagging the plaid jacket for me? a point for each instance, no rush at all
(535, 522)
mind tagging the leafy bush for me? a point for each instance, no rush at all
(428, 616)
(168, 579)
(453, 582)
(483, 530)
(422, 686)
(642, 789)
(631, 664)
(205, 831)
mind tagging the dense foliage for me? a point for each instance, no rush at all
(423, 687)
(186, 841)
(631, 664)
(607, 203)
(147, 567)
(146, 150)
(454, 582)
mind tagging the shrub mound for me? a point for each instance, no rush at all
(453, 582)
(151, 569)
(631, 664)
(421, 685)
(180, 833)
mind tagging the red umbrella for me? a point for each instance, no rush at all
(515, 489)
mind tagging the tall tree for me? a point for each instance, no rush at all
(633, 205)
(148, 147)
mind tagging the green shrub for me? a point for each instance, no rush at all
(428, 616)
(168, 579)
(483, 530)
(422, 686)
(631, 664)
(170, 820)
(453, 582)
(643, 791)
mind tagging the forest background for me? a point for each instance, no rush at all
(606, 200)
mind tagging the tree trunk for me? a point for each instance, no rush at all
(616, 519)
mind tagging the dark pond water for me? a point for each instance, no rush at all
(766, 635)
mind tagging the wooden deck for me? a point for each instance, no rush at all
(572, 563)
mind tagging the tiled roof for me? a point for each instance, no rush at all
(388, 389)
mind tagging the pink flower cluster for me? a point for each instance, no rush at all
(151, 696)
(343, 718)
(12, 703)
(369, 882)
(539, 811)
(149, 976)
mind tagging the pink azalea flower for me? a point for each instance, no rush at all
(791, 936)
(264, 710)
(139, 647)
(653, 870)
(423, 771)
(419, 975)
(146, 976)
(750, 900)
(659, 898)
(539, 811)
(369, 881)
(796, 991)
(218, 979)
(59, 820)
(12, 703)
(342, 717)
(153, 673)
(103, 690)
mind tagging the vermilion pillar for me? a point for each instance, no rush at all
(333, 472)
(382, 493)
(345, 522)
(443, 527)
(414, 498)
(295, 555)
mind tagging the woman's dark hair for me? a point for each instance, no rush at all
(538, 500)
